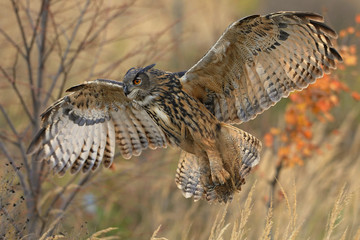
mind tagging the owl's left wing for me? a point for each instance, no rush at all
(80, 130)
(259, 60)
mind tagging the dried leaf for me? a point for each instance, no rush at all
(357, 19)
(284, 152)
(351, 30)
(275, 131)
(290, 117)
(268, 139)
(356, 96)
(350, 60)
(307, 134)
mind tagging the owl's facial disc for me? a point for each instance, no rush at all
(137, 83)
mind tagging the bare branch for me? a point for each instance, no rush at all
(19, 143)
(13, 129)
(53, 225)
(43, 9)
(22, 101)
(82, 182)
(66, 204)
(97, 56)
(28, 14)
(16, 168)
(8, 38)
(123, 9)
(11, 220)
(55, 41)
(55, 199)
(21, 27)
(63, 58)
(8, 139)
(273, 183)
(41, 45)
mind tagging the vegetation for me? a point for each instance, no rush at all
(306, 185)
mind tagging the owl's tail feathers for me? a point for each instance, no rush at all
(188, 180)
(240, 152)
(241, 143)
(188, 176)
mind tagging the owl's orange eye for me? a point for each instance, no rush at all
(136, 81)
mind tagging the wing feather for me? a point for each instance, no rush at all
(122, 134)
(100, 153)
(85, 150)
(110, 144)
(259, 60)
(93, 151)
(80, 130)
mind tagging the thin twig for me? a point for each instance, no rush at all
(11, 220)
(66, 52)
(70, 199)
(53, 225)
(44, 4)
(12, 127)
(273, 184)
(22, 101)
(18, 19)
(55, 41)
(41, 46)
(27, 58)
(55, 199)
(122, 10)
(19, 143)
(8, 139)
(16, 169)
(9, 39)
(28, 13)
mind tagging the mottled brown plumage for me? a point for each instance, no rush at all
(256, 62)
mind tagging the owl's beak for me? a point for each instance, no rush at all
(126, 90)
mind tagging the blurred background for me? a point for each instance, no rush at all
(306, 186)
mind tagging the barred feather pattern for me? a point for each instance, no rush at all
(259, 60)
(242, 154)
(82, 129)
(187, 176)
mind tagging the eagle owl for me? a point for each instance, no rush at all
(257, 61)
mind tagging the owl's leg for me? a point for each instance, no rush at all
(216, 180)
(197, 184)
(205, 171)
(214, 190)
(219, 175)
(240, 152)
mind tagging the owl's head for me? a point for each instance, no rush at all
(139, 82)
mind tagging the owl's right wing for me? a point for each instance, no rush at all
(80, 130)
(258, 61)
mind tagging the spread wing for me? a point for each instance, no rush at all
(80, 130)
(259, 60)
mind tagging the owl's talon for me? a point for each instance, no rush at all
(220, 177)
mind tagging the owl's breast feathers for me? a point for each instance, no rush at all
(181, 116)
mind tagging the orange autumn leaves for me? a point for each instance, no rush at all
(294, 140)
(349, 52)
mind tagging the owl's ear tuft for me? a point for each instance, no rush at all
(148, 67)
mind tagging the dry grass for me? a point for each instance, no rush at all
(317, 201)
